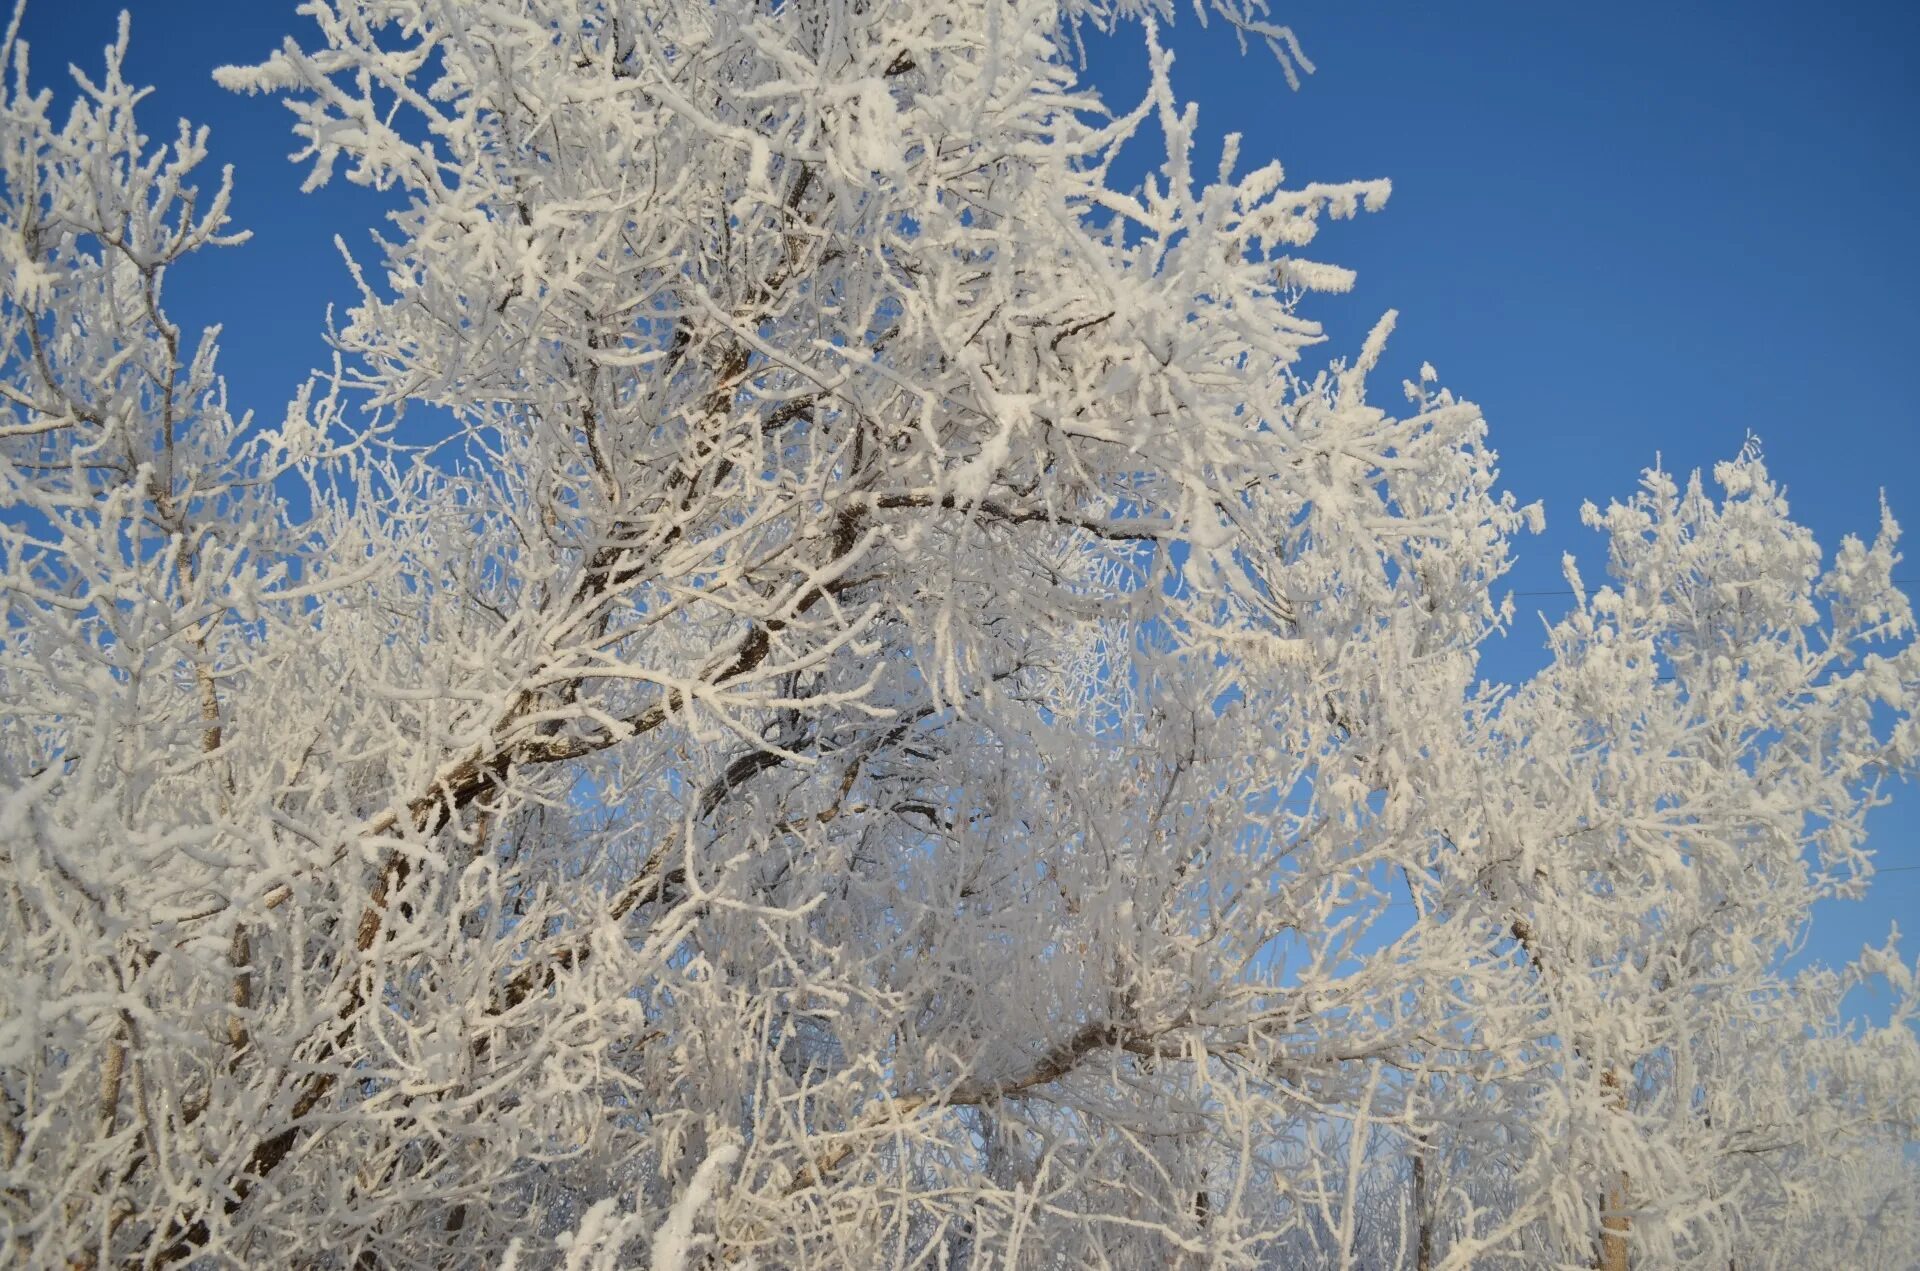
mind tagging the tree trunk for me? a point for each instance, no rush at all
(1422, 1215)
(1614, 1223)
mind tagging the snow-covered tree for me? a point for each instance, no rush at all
(903, 723)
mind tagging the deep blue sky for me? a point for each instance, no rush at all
(1623, 229)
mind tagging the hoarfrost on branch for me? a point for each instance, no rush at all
(906, 722)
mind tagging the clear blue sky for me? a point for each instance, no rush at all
(1623, 229)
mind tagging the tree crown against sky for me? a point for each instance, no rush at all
(909, 719)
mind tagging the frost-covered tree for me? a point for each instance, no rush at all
(902, 724)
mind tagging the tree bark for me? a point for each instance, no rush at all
(1614, 1223)
(1422, 1210)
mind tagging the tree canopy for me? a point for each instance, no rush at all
(908, 718)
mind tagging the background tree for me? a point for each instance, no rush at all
(899, 725)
